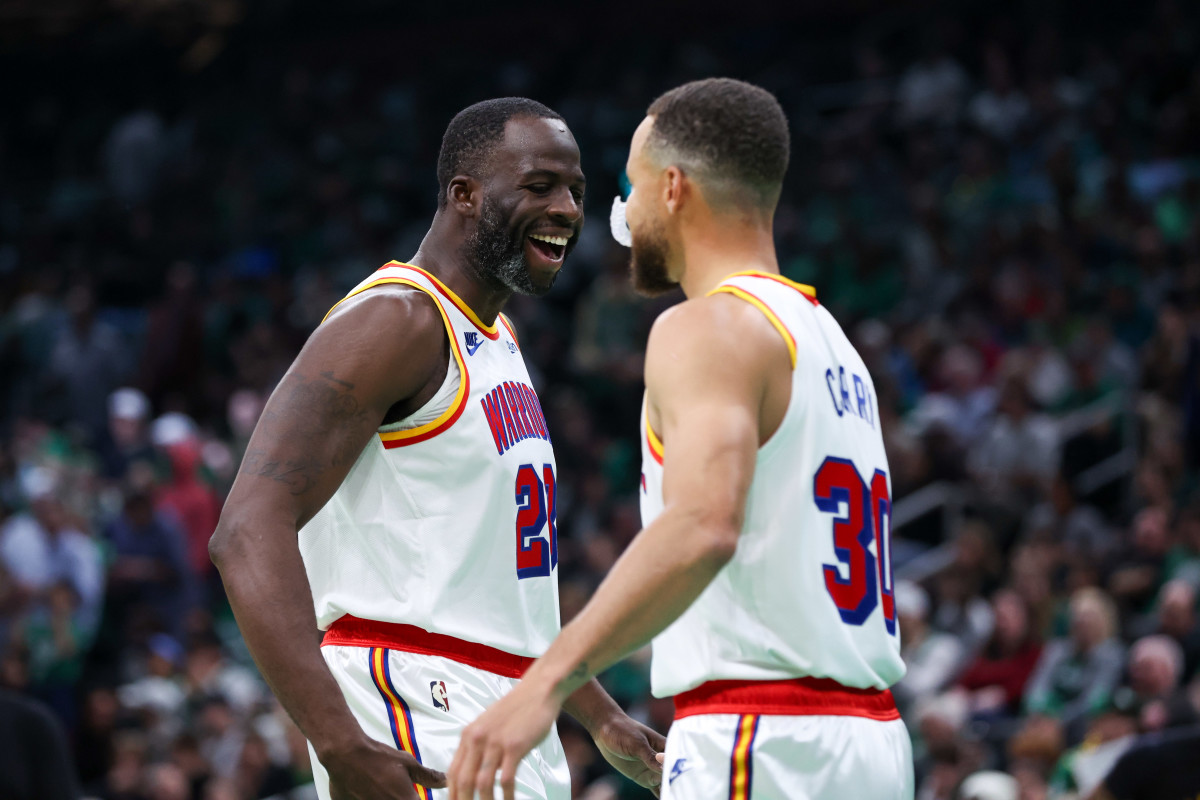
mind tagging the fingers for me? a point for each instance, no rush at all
(419, 773)
(652, 757)
(661, 757)
(485, 776)
(425, 776)
(508, 777)
(465, 766)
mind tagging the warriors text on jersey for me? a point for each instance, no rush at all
(446, 522)
(809, 591)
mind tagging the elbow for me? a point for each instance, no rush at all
(718, 543)
(218, 546)
(224, 542)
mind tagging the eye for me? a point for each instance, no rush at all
(577, 194)
(538, 188)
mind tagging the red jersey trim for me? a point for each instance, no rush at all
(351, 631)
(795, 697)
(803, 288)
(490, 331)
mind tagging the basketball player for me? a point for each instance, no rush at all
(763, 571)
(401, 483)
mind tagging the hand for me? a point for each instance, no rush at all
(635, 750)
(497, 740)
(371, 770)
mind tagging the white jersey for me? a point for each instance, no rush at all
(449, 526)
(809, 591)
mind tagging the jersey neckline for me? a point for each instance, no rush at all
(803, 288)
(490, 331)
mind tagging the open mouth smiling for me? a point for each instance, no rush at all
(550, 248)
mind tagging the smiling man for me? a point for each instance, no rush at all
(399, 491)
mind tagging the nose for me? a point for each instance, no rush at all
(564, 208)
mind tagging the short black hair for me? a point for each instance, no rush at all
(474, 133)
(732, 135)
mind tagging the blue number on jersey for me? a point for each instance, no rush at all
(536, 498)
(867, 518)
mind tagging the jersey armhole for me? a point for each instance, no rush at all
(511, 331)
(771, 316)
(401, 438)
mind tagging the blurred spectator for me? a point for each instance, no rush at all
(194, 504)
(128, 438)
(932, 89)
(932, 658)
(88, 362)
(996, 678)
(1080, 529)
(1155, 670)
(1177, 619)
(149, 576)
(1017, 456)
(1076, 675)
(159, 695)
(1001, 108)
(40, 548)
(209, 675)
(1135, 576)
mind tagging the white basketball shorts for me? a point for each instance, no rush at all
(802, 739)
(420, 704)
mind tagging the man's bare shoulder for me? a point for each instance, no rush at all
(717, 333)
(393, 331)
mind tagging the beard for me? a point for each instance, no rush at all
(498, 256)
(649, 262)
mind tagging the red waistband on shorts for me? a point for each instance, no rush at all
(354, 632)
(794, 697)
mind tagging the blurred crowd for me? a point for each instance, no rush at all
(1004, 213)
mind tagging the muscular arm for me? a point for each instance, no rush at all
(708, 366)
(379, 348)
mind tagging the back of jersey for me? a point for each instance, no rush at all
(809, 591)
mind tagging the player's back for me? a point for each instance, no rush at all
(809, 591)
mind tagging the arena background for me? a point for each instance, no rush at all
(999, 203)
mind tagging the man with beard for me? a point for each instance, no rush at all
(763, 571)
(401, 483)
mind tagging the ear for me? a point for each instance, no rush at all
(674, 186)
(464, 195)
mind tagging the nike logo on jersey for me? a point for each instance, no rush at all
(473, 342)
(680, 766)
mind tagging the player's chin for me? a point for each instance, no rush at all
(543, 268)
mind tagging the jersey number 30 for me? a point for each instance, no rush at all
(868, 517)
(536, 495)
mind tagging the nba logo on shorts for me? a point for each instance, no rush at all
(440, 697)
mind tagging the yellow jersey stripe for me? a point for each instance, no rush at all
(766, 310)
(803, 288)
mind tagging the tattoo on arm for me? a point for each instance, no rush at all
(317, 408)
(580, 673)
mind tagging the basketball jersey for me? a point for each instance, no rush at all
(809, 590)
(449, 526)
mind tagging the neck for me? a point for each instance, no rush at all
(715, 247)
(443, 254)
